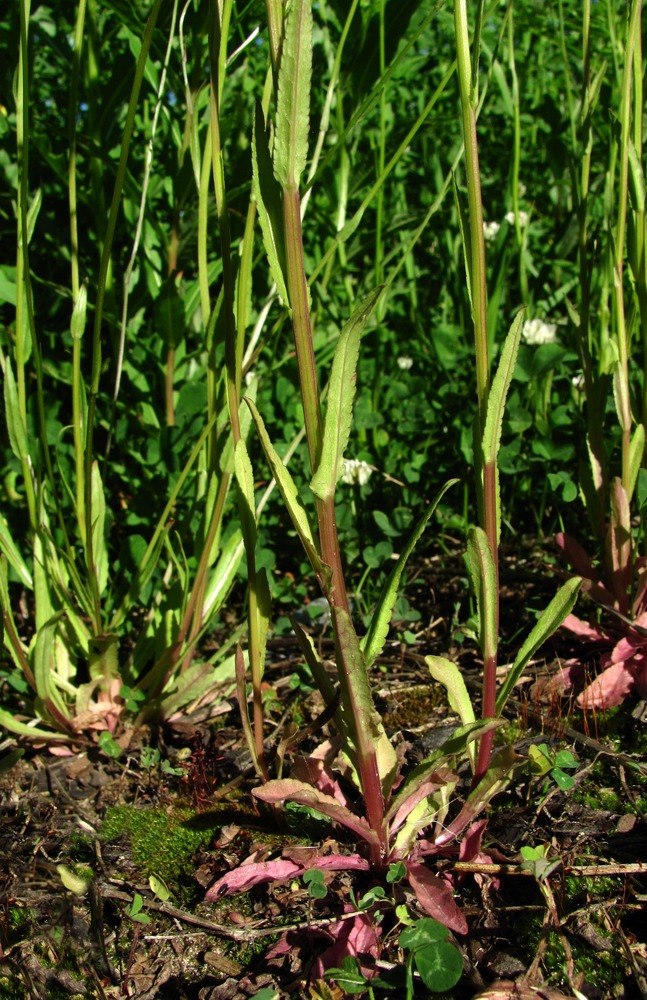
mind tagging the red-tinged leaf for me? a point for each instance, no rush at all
(247, 876)
(576, 556)
(342, 863)
(498, 775)
(434, 781)
(610, 688)
(582, 629)
(436, 897)
(358, 937)
(471, 850)
(287, 789)
(471, 843)
(318, 774)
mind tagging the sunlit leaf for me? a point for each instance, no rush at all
(293, 105)
(341, 395)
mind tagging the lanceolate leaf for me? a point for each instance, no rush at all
(561, 605)
(293, 105)
(246, 506)
(436, 897)
(15, 426)
(288, 789)
(289, 493)
(496, 406)
(356, 690)
(267, 195)
(499, 391)
(636, 454)
(99, 547)
(341, 395)
(480, 564)
(373, 642)
(448, 674)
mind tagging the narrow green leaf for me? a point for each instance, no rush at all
(293, 104)
(99, 546)
(267, 195)
(480, 565)
(361, 708)
(448, 674)
(499, 774)
(637, 180)
(9, 722)
(223, 574)
(15, 427)
(33, 211)
(79, 313)
(636, 454)
(341, 395)
(321, 677)
(499, 391)
(561, 605)
(44, 664)
(466, 240)
(8, 547)
(373, 642)
(289, 493)
(246, 505)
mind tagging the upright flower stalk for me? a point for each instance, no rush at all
(485, 464)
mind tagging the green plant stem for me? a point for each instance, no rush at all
(350, 676)
(622, 374)
(486, 471)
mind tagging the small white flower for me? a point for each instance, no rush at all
(523, 218)
(250, 376)
(536, 332)
(491, 230)
(356, 471)
(578, 382)
(405, 363)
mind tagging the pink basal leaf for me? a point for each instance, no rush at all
(358, 937)
(287, 789)
(582, 629)
(436, 897)
(319, 774)
(247, 876)
(627, 648)
(342, 863)
(610, 688)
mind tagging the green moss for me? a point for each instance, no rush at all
(162, 844)
(602, 969)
